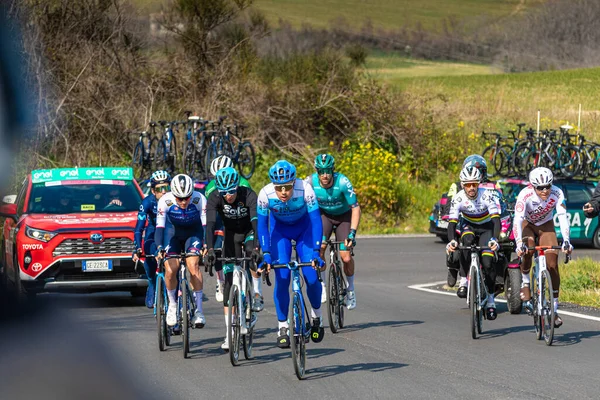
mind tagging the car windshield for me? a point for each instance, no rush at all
(82, 197)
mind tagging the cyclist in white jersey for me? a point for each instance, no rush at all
(480, 221)
(533, 218)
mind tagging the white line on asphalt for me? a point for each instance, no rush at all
(424, 288)
(399, 235)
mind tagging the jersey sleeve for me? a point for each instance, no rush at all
(262, 210)
(519, 217)
(310, 198)
(493, 203)
(348, 191)
(251, 200)
(142, 218)
(262, 205)
(455, 208)
(161, 213)
(561, 212)
(211, 218)
(202, 209)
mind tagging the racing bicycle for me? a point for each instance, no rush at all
(477, 295)
(298, 317)
(166, 147)
(143, 155)
(541, 305)
(336, 287)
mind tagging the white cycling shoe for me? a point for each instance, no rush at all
(350, 300)
(219, 291)
(198, 321)
(172, 315)
(323, 293)
(225, 345)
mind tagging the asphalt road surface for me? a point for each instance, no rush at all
(398, 343)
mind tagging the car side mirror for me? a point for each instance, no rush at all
(10, 199)
(9, 211)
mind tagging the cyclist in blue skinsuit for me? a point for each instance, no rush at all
(294, 214)
(185, 211)
(159, 183)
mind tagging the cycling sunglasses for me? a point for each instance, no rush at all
(324, 171)
(183, 198)
(542, 188)
(470, 184)
(231, 191)
(287, 187)
(162, 189)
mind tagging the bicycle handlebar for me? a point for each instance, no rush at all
(337, 243)
(295, 265)
(567, 256)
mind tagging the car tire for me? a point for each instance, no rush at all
(596, 238)
(444, 238)
(138, 292)
(512, 288)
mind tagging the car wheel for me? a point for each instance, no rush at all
(444, 238)
(596, 238)
(138, 292)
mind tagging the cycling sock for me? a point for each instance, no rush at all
(227, 324)
(171, 294)
(350, 280)
(198, 295)
(556, 304)
(257, 285)
(525, 278)
(318, 313)
(463, 281)
(323, 278)
(220, 276)
(283, 324)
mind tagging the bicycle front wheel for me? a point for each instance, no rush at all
(185, 320)
(160, 157)
(248, 338)
(547, 317)
(473, 302)
(297, 340)
(333, 303)
(188, 158)
(234, 335)
(137, 161)
(246, 160)
(161, 322)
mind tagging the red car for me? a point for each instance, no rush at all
(71, 230)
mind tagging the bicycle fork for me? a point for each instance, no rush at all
(481, 299)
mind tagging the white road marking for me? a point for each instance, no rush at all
(424, 287)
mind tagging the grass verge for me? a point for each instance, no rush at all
(580, 282)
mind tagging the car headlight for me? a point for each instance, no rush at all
(38, 234)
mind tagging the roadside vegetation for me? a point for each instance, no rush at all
(580, 282)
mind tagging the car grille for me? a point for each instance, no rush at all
(96, 276)
(84, 246)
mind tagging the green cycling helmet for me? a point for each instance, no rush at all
(227, 179)
(324, 161)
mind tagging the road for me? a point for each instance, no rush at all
(399, 343)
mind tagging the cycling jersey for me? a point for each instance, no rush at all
(212, 186)
(146, 218)
(239, 217)
(531, 208)
(337, 199)
(184, 222)
(478, 211)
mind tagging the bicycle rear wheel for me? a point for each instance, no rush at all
(333, 308)
(297, 341)
(188, 158)
(161, 321)
(248, 338)
(246, 160)
(137, 161)
(160, 157)
(473, 302)
(570, 161)
(185, 320)
(547, 317)
(172, 154)
(234, 336)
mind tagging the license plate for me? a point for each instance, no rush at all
(97, 265)
(442, 224)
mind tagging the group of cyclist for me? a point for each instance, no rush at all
(475, 218)
(233, 221)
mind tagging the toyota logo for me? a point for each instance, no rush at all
(37, 267)
(96, 238)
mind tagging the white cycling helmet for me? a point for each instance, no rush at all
(470, 174)
(182, 186)
(220, 163)
(541, 176)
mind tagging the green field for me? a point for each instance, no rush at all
(387, 14)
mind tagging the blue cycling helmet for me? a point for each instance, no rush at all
(477, 161)
(282, 172)
(226, 179)
(159, 177)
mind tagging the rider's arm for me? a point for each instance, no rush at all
(519, 217)
(252, 201)
(561, 212)
(595, 203)
(211, 218)
(350, 196)
(202, 209)
(140, 225)
(453, 217)
(262, 211)
(161, 220)
(494, 210)
(315, 216)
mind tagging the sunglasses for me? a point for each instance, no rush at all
(287, 188)
(228, 192)
(162, 189)
(183, 198)
(470, 184)
(542, 188)
(324, 171)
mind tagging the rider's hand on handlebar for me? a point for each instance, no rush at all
(317, 261)
(211, 257)
(265, 264)
(521, 250)
(351, 240)
(493, 244)
(566, 247)
(256, 256)
(451, 246)
(136, 255)
(160, 253)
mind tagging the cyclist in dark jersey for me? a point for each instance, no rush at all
(236, 205)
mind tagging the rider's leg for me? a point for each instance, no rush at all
(281, 251)
(487, 262)
(466, 239)
(528, 236)
(313, 286)
(150, 268)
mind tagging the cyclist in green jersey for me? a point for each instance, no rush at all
(339, 208)
(217, 164)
